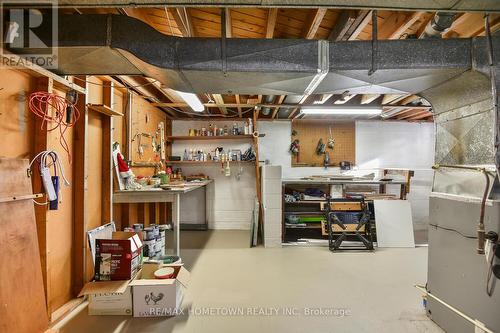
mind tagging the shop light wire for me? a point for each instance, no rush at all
(51, 108)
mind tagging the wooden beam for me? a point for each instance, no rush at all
(80, 193)
(238, 101)
(183, 20)
(228, 22)
(405, 25)
(344, 22)
(459, 20)
(368, 98)
(423, 24)
(272, 15)
(276, 109)
(364, 17)
(315, 23)
(390, 98)
(421, 115)
(220, 100)
(409, 99)
(411, 115)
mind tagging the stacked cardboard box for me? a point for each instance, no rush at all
(124, 286)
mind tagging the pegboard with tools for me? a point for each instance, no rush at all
(309, 133)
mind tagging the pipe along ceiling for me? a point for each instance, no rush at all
(121, 45)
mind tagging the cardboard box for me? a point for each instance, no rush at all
(108, 298)
(119, 258)
(159, 298)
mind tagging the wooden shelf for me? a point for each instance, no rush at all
(104, 110)
(204, 138)
(305, 202)
(207, 162)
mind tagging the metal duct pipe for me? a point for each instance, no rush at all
(268, 99)
(439, 23)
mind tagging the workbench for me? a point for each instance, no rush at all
(167, 194)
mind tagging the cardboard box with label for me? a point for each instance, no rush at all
(119, 258)
(159, 298)
(108, 298)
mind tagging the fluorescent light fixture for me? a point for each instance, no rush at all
(192, 100)
(341, 110)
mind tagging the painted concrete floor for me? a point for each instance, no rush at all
(292, 289)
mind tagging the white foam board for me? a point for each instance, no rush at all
(394, 223)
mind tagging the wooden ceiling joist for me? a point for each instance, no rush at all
(368, 98)
(391, 98)
(409, 99)
(220, 100)
(344, 22)
(183, 20)
(315, 22)
(405, 24)
(271, 22)
(364, 17)
(276, 109)
(228, 23)
(238, 100)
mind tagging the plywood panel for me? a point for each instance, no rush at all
(22, 296)
(310, 131)
(145, 119)
(16, 124)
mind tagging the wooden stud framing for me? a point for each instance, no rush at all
(272, 15)
(41, 143)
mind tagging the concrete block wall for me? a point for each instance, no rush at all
(230, 201)
(379, 145)
(271, 203)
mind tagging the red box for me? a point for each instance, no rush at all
(119, 258)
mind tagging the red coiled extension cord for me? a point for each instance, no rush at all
(52, 108)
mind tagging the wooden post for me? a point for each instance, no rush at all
(107, 152)
(80, 192)
(40, 144)
(257, 173)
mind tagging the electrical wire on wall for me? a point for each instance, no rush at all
(56, 112)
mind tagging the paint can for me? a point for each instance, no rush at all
(162, 233)
(149, 233)
(158, 246)
(149, 248)
(138, 227)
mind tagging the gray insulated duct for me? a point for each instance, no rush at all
(120, 45)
